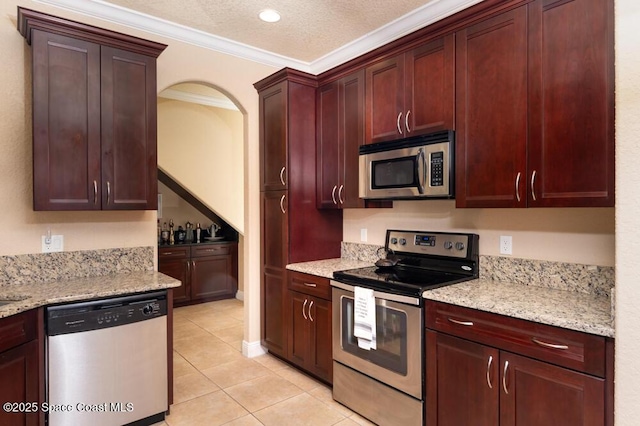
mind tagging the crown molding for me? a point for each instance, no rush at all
(419, 18)
(178, 95)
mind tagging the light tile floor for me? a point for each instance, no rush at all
(215, 385)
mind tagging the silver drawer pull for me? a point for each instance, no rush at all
(310, 285)
(282, 176)
(167, 253)
(303, 307)
(333, 194)
(489, 371)
(548, 345)
(465, 323)
(310, 305)
(518, 187)
(504, 377)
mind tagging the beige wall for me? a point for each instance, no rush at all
(568, 235)
(201, 147)
(627, 388)
(175, 207)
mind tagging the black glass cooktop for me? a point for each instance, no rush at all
(399, 279)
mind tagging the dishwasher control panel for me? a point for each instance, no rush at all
(104, 313)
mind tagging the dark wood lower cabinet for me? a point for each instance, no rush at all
(207, 272)
(478, 383)
(309, 324)
(20, 379)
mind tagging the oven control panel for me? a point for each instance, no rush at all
(432, 243)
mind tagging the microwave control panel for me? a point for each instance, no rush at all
(436, 166)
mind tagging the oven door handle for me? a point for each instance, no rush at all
(380, 295)
(421, 178)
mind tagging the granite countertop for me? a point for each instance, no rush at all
(34, 295)
(567, 309)
(326, 268)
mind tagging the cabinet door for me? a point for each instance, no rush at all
(329, 147)
(66, 123)
(299, 332)
(352, 130)
(179, 269)
(491, 112)
(536, 393)
(429, 87)
(320, 355)
(385, 100)
(273, 137)
(19, 383)
(211, 277)
(274, 259)
(571, 103)
(129, 158)
(464, 374)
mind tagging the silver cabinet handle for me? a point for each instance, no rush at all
(282, 203)
(310, 285)
(282, 175)
(488, 372)
(333, 194)
(406, 121)
(167, 253)
(108, 192)
(504, 377)
(533, 182)
(95, 192)
(340, 194)
(548, 345)
(304, 306)
(465, 323)
(518, 187)
(310, 305)
(398, 122)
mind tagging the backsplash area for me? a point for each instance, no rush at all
(44, 267)
(590, 279)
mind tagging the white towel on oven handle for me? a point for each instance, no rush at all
(364, 313)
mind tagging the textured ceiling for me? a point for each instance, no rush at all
(308, 30)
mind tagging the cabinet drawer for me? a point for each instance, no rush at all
(310, 284)
(173, 252)
(18, 329)
(567, 348)
(210, 250)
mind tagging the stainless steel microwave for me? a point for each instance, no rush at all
(417, 167)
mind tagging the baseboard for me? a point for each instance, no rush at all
(252, 349)
(240, 295)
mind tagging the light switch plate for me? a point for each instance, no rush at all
(363, 235)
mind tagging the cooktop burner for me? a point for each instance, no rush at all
(425, 260)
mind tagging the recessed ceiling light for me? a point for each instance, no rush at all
(269, 15)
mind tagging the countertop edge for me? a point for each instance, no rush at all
(36, 295)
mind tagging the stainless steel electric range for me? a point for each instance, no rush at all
(386, 384)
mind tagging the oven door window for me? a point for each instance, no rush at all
(394, 173)
(391, 337)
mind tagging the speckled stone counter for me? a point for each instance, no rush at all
(567, 309)
(326, 268)
(34, 295)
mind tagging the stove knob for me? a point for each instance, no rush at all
(403, 241)
(459, 246)
(394, 240)
(448, 245)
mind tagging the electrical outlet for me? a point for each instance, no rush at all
(53, 243)
(363, 235)
(506, 244)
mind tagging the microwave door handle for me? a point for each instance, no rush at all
(421, 161)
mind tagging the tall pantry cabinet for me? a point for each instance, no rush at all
(292, 228)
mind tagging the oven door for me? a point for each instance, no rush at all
(397, 361)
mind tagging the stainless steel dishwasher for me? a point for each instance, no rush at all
(107, 361)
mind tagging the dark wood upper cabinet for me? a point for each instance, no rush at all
(412, 93)
(491, 112)
(571, 103)
(340, 132)
(94, 116)
(273, 133)
(535, 107)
